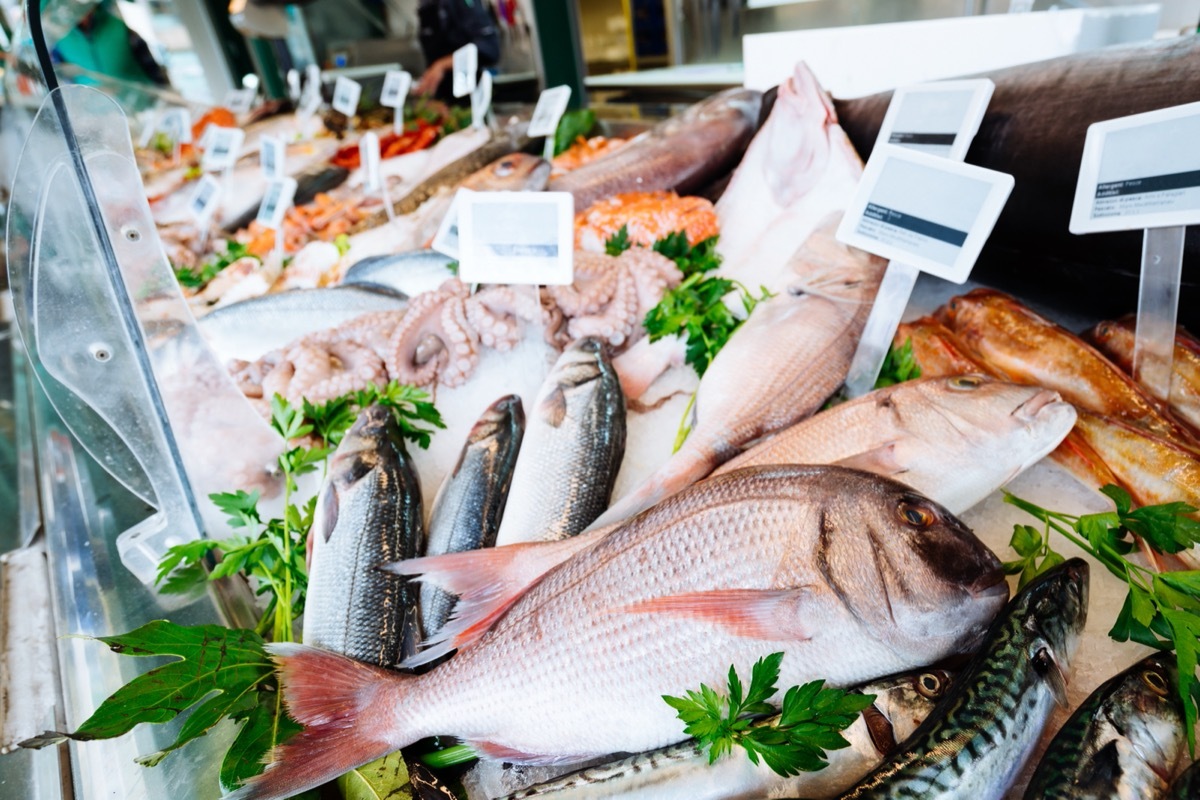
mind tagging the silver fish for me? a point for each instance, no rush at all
(408, 273)
(468, 507)
(847, 574)
(572, 451)
(683, 772)
(987, 726)
(368, 514)
(1122, 742)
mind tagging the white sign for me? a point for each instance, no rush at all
(368, 151)
(396, 84)
(345, 96)
(276, 201)
(293, 84)
(205, 199)
(224, 148)
(549, 110)
(481, 100)
(1140, 172)
(239, 101)
(516, 237)
(926, 211)
(272, 155)
(312, 79)
(466, 67)
(446, 240)
(936, 118)
(176, 125)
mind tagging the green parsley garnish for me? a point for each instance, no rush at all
(571, 126)
(809, 721)
(618, 243)
(342, 243)
(198, 279)
(1161, 610)
(898, 366)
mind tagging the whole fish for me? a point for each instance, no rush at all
(1116, 340)
(410, 273)
(1187, 785)
(683, 772)
(572, 450)
(683, 153)
(779, 367)
(983, 731)
(848, 574)
(368, 514)
(955, 440)
(310, 183)
(1027, 348)
(1122, 742)
(468, 507)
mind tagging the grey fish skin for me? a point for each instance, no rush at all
(987, 726)
(1123, 741)
(408, 273)
(572, 449)
(468, 507)
(682, 771)
(368, 514)
(1187, 785)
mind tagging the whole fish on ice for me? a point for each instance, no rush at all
(1116, 340)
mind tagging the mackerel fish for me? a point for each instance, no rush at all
(1122, 742)
(989, 723)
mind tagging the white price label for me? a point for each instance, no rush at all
(205, 199)
(481, 100)
(293, 85)
(276, 201)
(345, 96)
(466, 67)
(368, 151)
(446, 241)
(224, 148)
(929, 212)
(176, 125)
(516, 237)
(937, 118)
(312, 79)
(1141, 171)
(272, 155)
(240, 101)
(549, 110)
(396, 84)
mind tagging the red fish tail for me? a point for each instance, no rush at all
(345, 707)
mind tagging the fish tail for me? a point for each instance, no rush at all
(347, 709)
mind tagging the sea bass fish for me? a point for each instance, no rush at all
(572, 450)
(1028, 348)
(1116, 340)
(848, 574)
(1122, 742)
(683, 771)
(410, 273)
(955, 440)
(777, 368)
(987, 726)
(468, 507)
(681, 154)
(368, 514)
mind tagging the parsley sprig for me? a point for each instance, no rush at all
(1160, 610)
(199, 278)
(795, 740)
(899, 365)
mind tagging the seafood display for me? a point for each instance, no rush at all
(1116, 340)
(645, 217)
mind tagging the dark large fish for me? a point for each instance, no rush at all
(978, 740)
(684, 153)
(368, 514)
(1034, 130)
(1123, 741)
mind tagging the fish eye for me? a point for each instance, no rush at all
(966, 382)
(914, 515)
(504, 168)
(1156, 682)
(930, 685)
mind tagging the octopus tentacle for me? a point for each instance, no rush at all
(496, 314)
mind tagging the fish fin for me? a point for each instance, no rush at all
(879, 461)
(499, 752)
(1046, 664)
(554, 408)
(335, 697)
(487, 583)
(749, 613)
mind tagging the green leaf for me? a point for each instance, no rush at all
(619, 242)
(342, 243)
(899, 365)
(571, 126)
(1119, 496)
(384, 779)
(265, 725)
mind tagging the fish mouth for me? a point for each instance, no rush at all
(991, 585)
(1028, 410)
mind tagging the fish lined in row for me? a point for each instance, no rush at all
(1116, 340)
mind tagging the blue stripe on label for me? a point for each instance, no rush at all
(908, 222)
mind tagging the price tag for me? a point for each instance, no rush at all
(224, 148)
(936, 118)
(345, 96)
(293, 85)
(312, 79)
(481, 100)
(368, 151)
(276, 201)
(272, 155)
(240, 101)
(446, 240)
(466, 69)
(549, 110)
(396, 84)
(205, 199)
(925, 211)
(176, 125)
(516, 237)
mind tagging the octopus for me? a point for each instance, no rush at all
(646, 217)
(583, 151)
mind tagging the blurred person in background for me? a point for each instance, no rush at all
(101, 42)
(447, 25)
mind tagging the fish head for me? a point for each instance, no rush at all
(1053, 610)
(902, 702)
(505, 417)
(797, 137)
(986, 319)
(913, 576)
(824, 267)
(582, 368)
(514, 172)
(1146, 711)
(987, 432)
